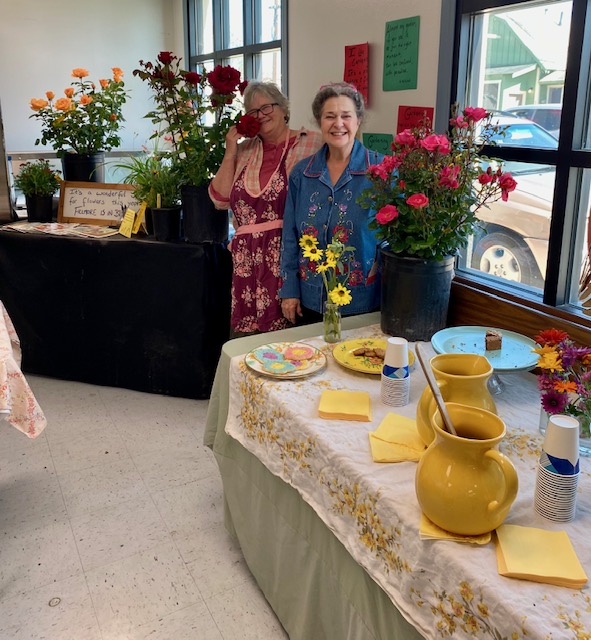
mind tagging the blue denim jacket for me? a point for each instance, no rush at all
(315, 206)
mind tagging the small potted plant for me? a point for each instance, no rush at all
(38, 183)
(157, 184)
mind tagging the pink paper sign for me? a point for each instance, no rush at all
(357, 68)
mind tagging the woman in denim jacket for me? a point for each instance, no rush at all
(321, 201)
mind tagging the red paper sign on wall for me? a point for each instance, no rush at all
(413, 117)
(357, 68)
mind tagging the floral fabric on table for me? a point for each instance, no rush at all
(17, 402)
(445, 589)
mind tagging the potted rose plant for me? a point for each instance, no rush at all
(424, 201)
(193, 112)
(83, 123)
(38, 183)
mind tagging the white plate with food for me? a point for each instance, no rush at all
(515, 353)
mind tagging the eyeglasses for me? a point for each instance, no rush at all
(266, 110)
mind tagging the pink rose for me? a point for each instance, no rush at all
(475, 113)
(485, 178)
(378, 171)
(418, 201)
(448, 177)
(436, 142)
(387, 214)
(507, 184)
(406, 138)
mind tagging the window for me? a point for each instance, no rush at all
(537, 54)
(247, 34)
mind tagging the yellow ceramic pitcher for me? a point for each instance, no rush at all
(463, 483)
(462, 378)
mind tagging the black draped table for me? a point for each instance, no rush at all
(133, 313)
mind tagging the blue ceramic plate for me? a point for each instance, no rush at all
(515, 354)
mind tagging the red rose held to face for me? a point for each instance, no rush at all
(248, 126)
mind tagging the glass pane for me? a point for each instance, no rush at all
(581, 286)
(204, 26)
(517, 68)
(268, 66)
(268, 21)
(514, 243)
(233, 35)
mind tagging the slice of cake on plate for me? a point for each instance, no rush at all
(493, 340)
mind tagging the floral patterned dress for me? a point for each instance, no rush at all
(255, 301)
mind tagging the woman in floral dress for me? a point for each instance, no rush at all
(252, 182)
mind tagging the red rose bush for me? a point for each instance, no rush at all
(425, 196)
(193, 112)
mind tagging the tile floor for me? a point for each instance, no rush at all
(111, 525)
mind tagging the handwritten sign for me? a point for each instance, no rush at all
(401, 54)
(414, 117)
(357, 68)
(380, 142)
(95, 202)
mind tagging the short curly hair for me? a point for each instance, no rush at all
(267, 89)
(334, 90)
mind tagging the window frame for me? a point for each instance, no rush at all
(250, 47)
(570, 158)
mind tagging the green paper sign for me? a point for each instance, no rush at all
(401, 54)
(380, 142)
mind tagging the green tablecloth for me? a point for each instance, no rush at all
(316, 588)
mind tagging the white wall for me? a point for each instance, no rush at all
(41, 41)
(318, 34)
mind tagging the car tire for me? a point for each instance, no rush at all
(502, 254)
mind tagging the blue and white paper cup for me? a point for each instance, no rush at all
(395, 389)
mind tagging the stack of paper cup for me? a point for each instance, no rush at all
(558, 470)
(395, 373)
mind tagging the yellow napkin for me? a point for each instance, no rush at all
(430, 531)
(396, 440)
(538, 555)
(345, 405)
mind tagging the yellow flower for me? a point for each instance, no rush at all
(551, 361)
(321, 268)
(313, 253)
(307, 241)
(340, 295)
(331, 263)
(330, 255)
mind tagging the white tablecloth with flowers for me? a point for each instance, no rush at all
(443, 588)
(18, 405)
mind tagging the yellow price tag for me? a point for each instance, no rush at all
(126, 226)
(139, 218)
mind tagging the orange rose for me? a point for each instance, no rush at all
(117, 79)
(69, 92)
(113, 117)
(84, 100)
(79, 73)
(50, 95)
(37, 104)
(104, 83)
(117, 72)
(63, 104)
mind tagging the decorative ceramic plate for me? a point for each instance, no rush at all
(515, 353)
(343, 354)
(286, 360)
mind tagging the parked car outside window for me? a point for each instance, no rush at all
(546, 115)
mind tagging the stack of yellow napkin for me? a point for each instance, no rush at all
(345, 405)
(396, 440)
(430, 531)
(538, 555)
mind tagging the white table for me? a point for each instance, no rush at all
(284, 468)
